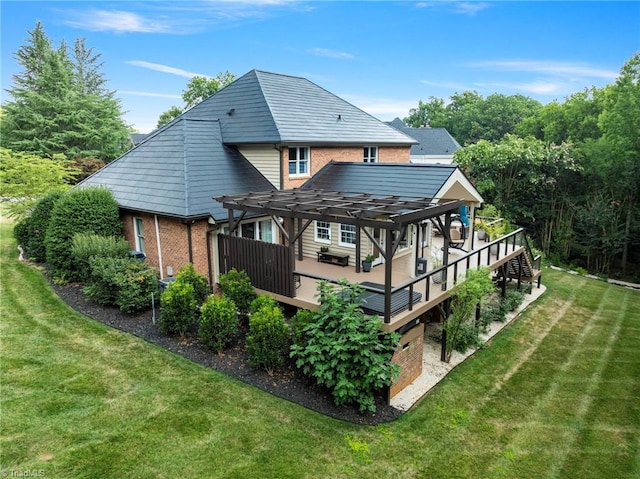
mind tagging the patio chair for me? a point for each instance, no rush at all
(457, 239)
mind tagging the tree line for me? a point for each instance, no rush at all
(567, 171)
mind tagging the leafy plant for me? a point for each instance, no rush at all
(85, 246)
(464, 298)
(513, 298)
(80, 210)
(262, 300)
(237, 286)
(201, 289)
(178, 308)
(36, 228)
(298, 323)
(268, 338)
(345, 349)
(219, 323)
(124, 282)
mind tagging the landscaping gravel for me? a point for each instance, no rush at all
(288, 382)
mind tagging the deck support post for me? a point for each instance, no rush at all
(388, 246)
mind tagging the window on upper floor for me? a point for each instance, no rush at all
(323, 232)
(370, 154)
(299, 161)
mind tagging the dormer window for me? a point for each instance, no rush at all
(370, 154)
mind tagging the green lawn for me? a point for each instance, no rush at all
(556, 394)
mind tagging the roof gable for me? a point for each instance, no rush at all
(177, 171)
(264, 107)
(396, 179)
(430, 141)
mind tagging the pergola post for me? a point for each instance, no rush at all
(388, 246)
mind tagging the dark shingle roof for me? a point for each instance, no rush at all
(263, 107)
(431, 141)
(177, 171)
(402, 179)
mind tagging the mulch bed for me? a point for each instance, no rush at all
(288, 382)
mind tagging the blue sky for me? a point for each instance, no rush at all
(381, 56)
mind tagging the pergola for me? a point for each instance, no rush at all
(387, 213)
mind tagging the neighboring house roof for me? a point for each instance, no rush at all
(405, 180)
(136, 138)
(176, 172)
(431, 141)
(264, 107)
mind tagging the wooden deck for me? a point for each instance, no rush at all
(431, 294)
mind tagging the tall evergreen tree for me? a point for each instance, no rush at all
(60, 105)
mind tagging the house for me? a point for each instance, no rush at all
(434, 145)
(295, 171)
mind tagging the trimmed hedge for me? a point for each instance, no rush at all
(85, 246)
(32, 230)
(219, 322)
(80, 210)
(237, 286)
(268, 338)
(201, 289)
(179, 308)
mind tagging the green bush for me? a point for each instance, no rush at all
(124, 282)
(298, 323)
(261, 301)
(178, 308)
(268, 338)
(236, 285)
(218, 322)
(85, 246)
(36, 228)
(21, 232)
(187, 274)
(513, 298)
(135, 287)
(345, 349)
(468, 337)
(80, 210)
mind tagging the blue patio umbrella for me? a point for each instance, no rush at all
(464, 215)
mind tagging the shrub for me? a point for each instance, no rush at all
(218, 322)
(80, 210)
(464, 298)
(298, 323)
(237, 286)
(345, 349)
(261, 301)
(468, 337)
(135, 287)
(513, 298)
(85, 246)
(178, 308)
(268, 338)
(124, 282)
(21, 232)
(187, 274)
(38, 223)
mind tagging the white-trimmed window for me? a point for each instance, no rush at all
(258, 230)
(347, 235)
(323, 232)
(138, 229)
(370, 154)
(298, 161)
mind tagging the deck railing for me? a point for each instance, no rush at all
(486, 255)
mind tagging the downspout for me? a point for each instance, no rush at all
(189, 243)
(209, 257)
(161, 266)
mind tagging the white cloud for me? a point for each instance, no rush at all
(385, 109)
(566, 69)
(454, 6)
(165, 69)
(448, 85)
(116, 21)
(149, 94)
(325, 52)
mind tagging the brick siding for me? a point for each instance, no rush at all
(321, 156)
(409, 357)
